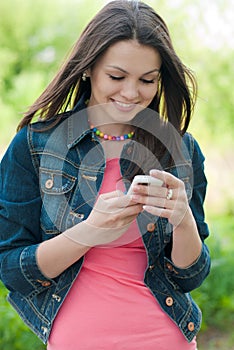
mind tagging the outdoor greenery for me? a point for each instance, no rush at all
(14, 335)
(36, 35)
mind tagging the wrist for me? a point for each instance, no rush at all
(187, 221)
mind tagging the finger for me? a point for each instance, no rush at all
(107, 204)
(116, 198)
(133, 210)
(110, 201)
(169, 179)
(119, 202)
(174, 217)
(157, 211)
(113, 194)
(154, 201)
(158, 191)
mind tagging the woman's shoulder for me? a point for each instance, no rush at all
(18, 144)
(35, 134)
(18, 153)
(48, 125)
(193, 147)
(188, 139)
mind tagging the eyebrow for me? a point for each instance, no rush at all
(124, 71)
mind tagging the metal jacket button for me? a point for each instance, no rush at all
(191, 326)
(169, 301)
(169, 267)
(56, 297)
(49, 183)
(151, 227)
(44, 283)
(151, 267)
(44, 330)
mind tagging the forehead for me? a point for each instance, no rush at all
(128, 54)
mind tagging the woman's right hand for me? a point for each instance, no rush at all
(111, 216)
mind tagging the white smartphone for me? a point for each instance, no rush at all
(145, 180)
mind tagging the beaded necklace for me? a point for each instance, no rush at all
(110, 137)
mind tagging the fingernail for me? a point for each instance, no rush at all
(154, 171)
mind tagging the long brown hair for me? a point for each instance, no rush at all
(121, 20)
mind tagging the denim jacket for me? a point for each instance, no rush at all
(49, 182)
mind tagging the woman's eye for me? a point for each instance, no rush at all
(145, 81)
(113, 77)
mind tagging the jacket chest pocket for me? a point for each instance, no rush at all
(56, 190)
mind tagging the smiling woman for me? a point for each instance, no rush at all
(88, 264)
(119, 78)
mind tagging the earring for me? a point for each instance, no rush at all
(84, 76)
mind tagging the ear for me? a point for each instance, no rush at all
(88, 72)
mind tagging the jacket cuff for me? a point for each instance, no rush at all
(192, 276)
(35, 279)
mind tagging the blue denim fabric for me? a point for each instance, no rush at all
(48, 184)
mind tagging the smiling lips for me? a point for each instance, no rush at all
(124, 106)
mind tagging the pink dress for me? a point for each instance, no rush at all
(109, 307)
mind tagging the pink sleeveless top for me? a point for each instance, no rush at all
(109, 307)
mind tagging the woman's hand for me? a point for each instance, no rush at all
(110, 218)
(169, 201)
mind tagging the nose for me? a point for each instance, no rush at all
(129, 90)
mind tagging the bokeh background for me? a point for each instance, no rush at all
(35, 38)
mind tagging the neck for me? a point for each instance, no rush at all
(114, 129)
(112, 137)
(101, 119)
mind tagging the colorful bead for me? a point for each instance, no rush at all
(112, 138)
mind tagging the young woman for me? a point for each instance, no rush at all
(88, 264)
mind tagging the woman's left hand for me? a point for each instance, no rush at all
(169, 201)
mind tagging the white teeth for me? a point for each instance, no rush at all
(125, 105)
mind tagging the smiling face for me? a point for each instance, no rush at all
(125, 77)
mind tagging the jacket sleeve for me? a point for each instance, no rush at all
(20, 207)
(193, 276)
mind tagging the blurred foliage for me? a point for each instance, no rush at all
(14, 334)
(216, 295)
(36, 35)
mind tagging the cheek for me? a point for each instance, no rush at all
(106, 88)
(149, 94)
(99, 83)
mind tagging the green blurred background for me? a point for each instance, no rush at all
(35, 37)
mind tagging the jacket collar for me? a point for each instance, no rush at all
(78, 125)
